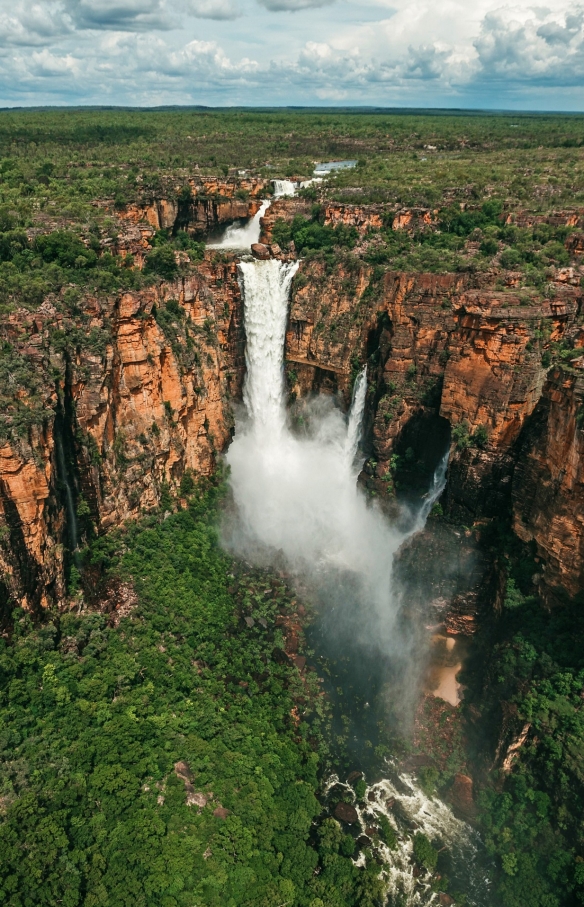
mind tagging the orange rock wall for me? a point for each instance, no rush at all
(142, 417)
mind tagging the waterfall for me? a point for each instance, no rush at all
(297, 494)
(284, 187)
(298, 502)
(355, 423)
(240, 237)
(70, 504)
(265, 286)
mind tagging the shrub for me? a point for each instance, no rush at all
(161, 261)
(425, 854)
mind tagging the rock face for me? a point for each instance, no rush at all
(211, 202)
(449, 350)
(548, 484)
(121, 425)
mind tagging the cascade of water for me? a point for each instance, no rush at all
(284, 187)
(240, 237)
(298, 496)
(70, 504)
(355, 423)
(265, 286)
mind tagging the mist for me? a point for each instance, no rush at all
(296, 496)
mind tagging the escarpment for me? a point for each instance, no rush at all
(447, 350)
(134, 390)
(143, 401)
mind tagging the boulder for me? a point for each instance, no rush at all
(259, 251)
(346, 813)
(461, 796)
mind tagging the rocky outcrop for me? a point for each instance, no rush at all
(548, 482)
(202, 206)
(282, 209)
(363, 217)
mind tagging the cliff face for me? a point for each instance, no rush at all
(450, 350)
(121, 425)
(548, 483)
(211, 202)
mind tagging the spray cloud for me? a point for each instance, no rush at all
(298, 496)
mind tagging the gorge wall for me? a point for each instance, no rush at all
(125, 421)
(121, 424)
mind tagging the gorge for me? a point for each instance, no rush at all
(290, 546)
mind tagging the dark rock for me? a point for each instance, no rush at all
(445, 900)
(280, 657)
(354, 776)
(371, 796)
(362, 842)
(346, 813)
(221, 812)
(300, 662)
(259, 251)
(461, 796)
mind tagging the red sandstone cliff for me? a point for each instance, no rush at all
(442, 347)
(122, 423)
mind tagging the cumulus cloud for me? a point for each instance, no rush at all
(532, 46)
(164, 51)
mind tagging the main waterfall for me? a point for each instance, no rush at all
(297, 494)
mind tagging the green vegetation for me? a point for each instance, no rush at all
(93, 718)
(532, 814)
(425, 854)
(313, 236)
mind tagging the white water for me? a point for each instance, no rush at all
(283, 188)
(241, 237)
(298, 496)
(433, 818)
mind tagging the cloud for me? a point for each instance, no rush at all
(117, 14)
(291, 6)
(532, 46)
(31, 25)
(166, 51)
(214, 9)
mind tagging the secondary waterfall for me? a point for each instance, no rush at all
(283, 188)
(241, 237)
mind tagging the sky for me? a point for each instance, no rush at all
(426, 53)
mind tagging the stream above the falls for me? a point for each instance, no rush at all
(298, 504)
